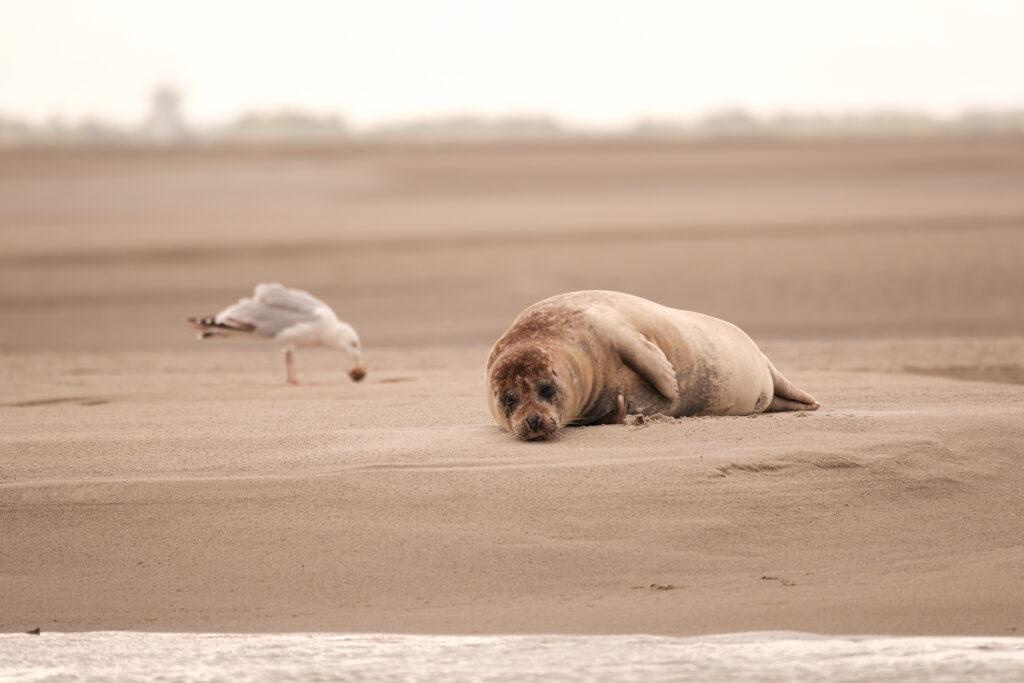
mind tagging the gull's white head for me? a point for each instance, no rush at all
(346, 339)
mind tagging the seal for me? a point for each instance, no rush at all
(593, 357)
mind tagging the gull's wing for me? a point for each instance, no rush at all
(278, 296)
(273, 309)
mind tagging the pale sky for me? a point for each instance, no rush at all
(598, 62)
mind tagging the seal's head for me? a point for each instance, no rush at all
(524, 394)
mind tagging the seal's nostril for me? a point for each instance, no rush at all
(533, 422)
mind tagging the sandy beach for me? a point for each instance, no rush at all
(152, 482)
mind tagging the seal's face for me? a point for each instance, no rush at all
(524, 394)
(529, 409)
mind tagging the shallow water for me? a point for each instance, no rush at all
(771, 656)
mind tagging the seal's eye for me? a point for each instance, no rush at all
(509, 402)
(546, 392)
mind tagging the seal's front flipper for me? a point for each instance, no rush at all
(646, 359)
(616, 415)
(620, 410)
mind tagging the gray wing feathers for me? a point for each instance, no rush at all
(275, 295)
(274, 308)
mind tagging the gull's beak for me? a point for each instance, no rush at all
(358, 372)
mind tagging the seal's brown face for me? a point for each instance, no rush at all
(525, 395)
(530, 410)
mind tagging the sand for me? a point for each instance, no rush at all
(152, 482)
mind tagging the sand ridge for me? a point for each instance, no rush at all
(152, 482)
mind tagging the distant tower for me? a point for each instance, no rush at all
(165, 122)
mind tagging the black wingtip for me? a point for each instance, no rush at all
(200, 323)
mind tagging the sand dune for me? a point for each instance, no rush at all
(149, 481)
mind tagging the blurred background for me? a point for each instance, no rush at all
(803, 169)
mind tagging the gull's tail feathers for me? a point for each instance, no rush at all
(210, 327)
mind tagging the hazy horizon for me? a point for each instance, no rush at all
(581, 63)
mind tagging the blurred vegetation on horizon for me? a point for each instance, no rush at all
(166, 123)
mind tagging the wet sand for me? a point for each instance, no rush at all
(149, 481)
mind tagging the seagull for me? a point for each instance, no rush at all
(290, 317)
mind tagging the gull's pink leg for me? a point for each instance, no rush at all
(289, 364)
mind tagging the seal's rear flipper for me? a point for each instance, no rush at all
(779, 405)
(788, 396)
